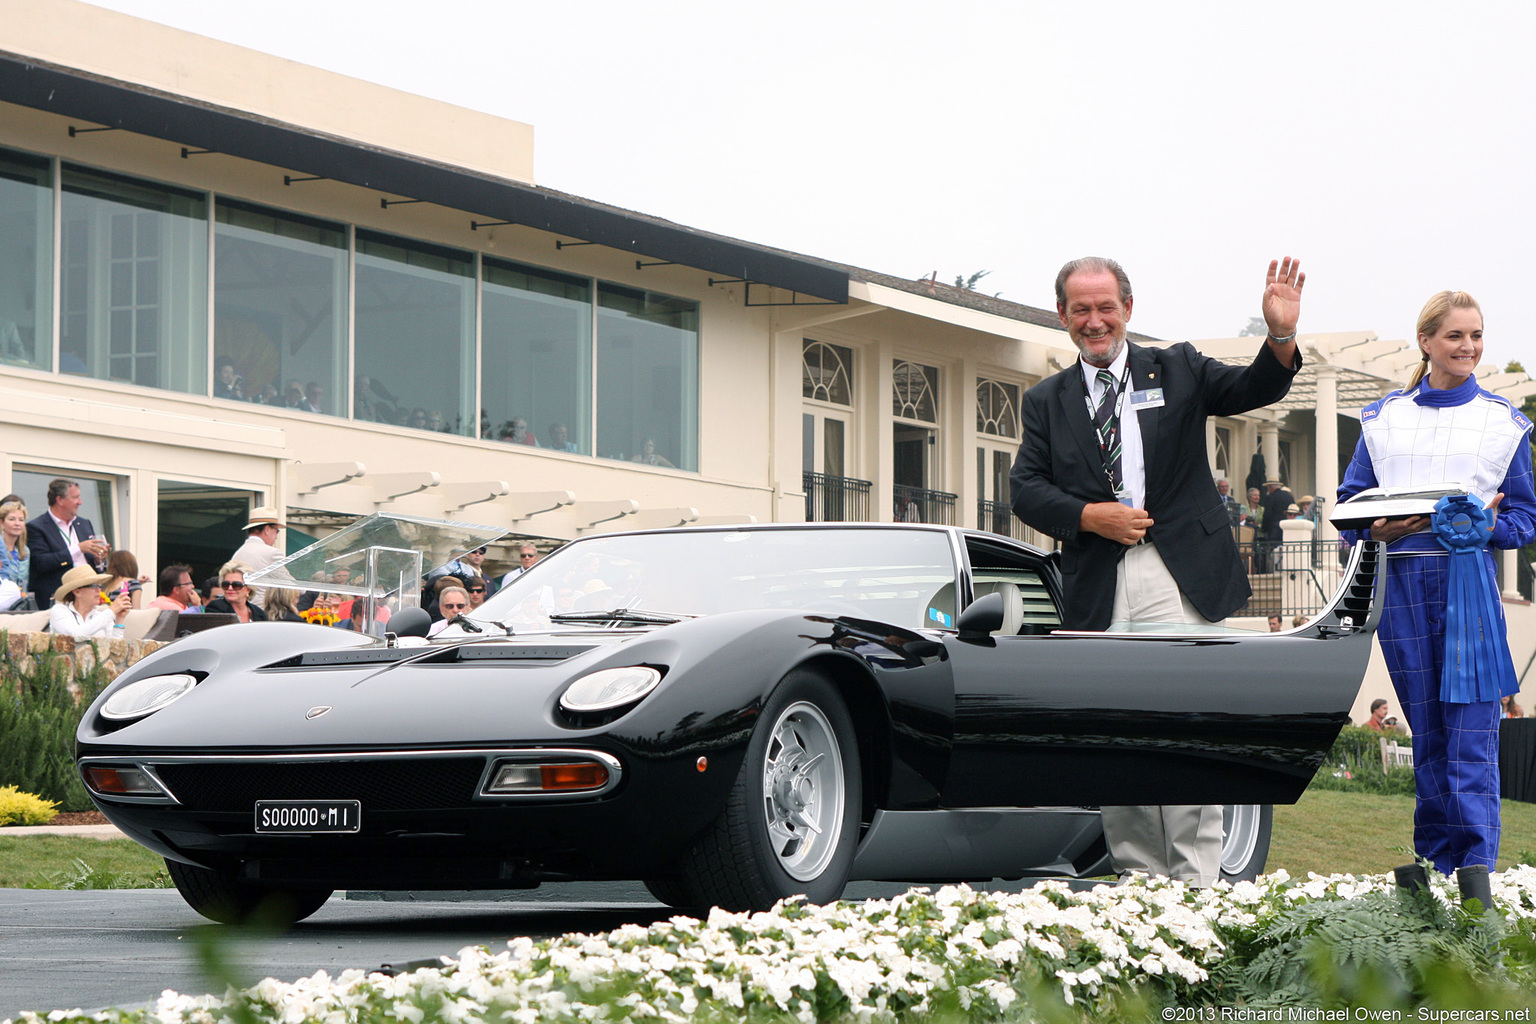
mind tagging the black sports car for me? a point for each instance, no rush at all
(732, 715)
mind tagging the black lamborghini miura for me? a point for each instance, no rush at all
(732, 715)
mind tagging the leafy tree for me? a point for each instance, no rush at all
(969, 283)
(1256, 328)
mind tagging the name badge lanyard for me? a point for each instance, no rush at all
(1125, 378)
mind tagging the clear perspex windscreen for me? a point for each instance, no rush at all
(379, 559)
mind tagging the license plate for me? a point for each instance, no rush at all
(304, 816)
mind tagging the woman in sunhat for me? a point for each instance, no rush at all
(80, 610)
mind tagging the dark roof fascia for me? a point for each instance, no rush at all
(69, 92)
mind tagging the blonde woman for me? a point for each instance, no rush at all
(281, 605)
(15, 561)
(237, 595)
(1443, 428)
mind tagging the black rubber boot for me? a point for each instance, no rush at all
(1475, 884)
(1411, 877)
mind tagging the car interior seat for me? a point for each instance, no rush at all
(1013, 604)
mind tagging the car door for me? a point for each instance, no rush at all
(1047, 717)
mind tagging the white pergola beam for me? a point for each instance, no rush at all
(590, 513)
(389, 486)
(472, 492)
(527, 504)
(311, 476)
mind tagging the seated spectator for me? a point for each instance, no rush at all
(81, 610)
(227, 383)
(293, 395)
(1510, 708)
(15, 561)
(1390, 724)
(124, 570)
(314, 396)
(439, 584)
(282, 605)
(177, 591)
(451, 601)
(435, 421)
(648, 456)
(210, 590)
(1378, 714)
(418, 420)
(560, 438)
(475, 588)
(516, 431)
(236, 594)
(1298, 621)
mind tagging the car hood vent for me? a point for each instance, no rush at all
(460, 653)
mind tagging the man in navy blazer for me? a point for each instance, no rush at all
(56, 537)
(1158, 547)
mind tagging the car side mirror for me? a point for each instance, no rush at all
(982, 618)
(410, 622)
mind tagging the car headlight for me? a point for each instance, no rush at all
(609, 688)
(146, 696)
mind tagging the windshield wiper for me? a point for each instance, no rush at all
(620, 615)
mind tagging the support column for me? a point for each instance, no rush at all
(1509, 569)
(1325, 459)
(1269, 445)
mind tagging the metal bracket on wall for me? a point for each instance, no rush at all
(185, 152)
(568, 245)
(385, 204)
(73, 131)
(476, 225)
(641, 265)
(289, 179)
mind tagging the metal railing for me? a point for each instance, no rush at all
(920, 505)
(995, 517)
(836, 499)
(1289, 578)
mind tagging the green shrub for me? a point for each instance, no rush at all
(38, 716)
(18, 808)
(1354, 765)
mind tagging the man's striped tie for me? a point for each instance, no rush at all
(1108, 425)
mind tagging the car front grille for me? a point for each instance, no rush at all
(382, 784)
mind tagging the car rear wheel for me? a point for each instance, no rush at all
(1245, 832)
(791, 822)
(221, 897)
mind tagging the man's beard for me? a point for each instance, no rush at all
(1115, 348)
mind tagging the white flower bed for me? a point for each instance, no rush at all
(956, 951)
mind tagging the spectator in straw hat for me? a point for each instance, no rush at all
(260, 548)
(80, 609)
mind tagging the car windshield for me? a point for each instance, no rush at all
(904, 577)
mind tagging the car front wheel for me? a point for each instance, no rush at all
(1245, 832)
(221, 897)
(791, 822)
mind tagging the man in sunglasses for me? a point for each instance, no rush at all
(475, 587)
(526, 556)
(453, 601)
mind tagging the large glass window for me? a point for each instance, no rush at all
(415, 331)
(279, 309)
(97, 496)
(647, 377)
(134, 299)
(26, 260)
(536, 356)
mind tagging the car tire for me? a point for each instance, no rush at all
(791, 821)
(1245, 833)
(674, 893)
(221, 897)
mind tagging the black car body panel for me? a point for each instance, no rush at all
(981, 754)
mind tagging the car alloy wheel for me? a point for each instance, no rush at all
(803, 791)
(791, 822)
(1245, 834)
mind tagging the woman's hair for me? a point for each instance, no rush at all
(123, 565)
(1431, 317)
(234, 565)
(16, 506)
(280, 601)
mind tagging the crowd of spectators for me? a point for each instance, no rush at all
(55, 562)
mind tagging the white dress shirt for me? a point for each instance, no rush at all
(1133, 466)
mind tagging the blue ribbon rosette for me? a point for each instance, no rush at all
(1478, 666)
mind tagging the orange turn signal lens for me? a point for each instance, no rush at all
(564, 778)
(121, 782)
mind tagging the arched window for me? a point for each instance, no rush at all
(826, 372)
(997, 408)
(915, 392)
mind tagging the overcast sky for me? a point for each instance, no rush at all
(1388, 145)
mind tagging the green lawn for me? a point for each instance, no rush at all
(1328, 832)
(1365, 833)
(24, 858)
